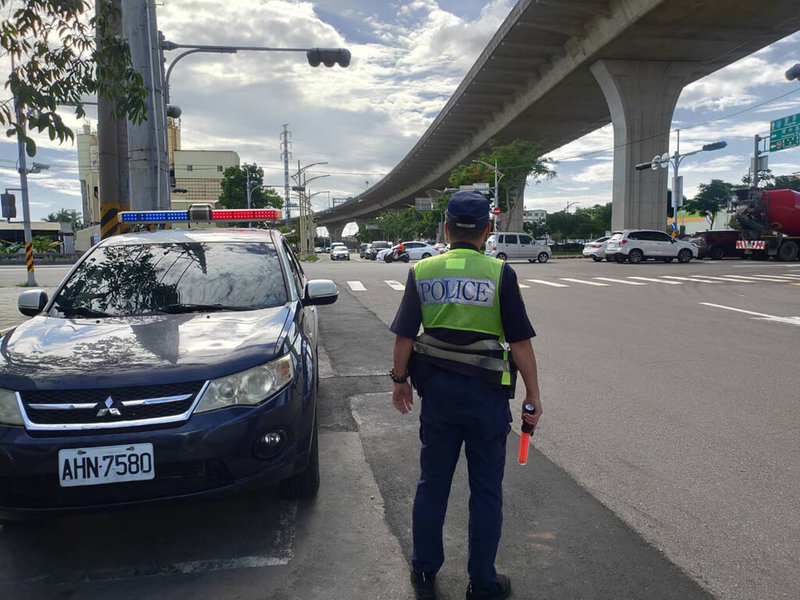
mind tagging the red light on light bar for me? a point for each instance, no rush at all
(244, 214)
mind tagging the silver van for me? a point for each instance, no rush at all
(508, 245)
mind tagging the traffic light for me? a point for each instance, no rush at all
(644, 166)
(328, 57)
(9, 206)
(714, 146)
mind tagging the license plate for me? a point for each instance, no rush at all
(105, 464)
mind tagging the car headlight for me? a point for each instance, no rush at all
(9, 409)
(248, 388)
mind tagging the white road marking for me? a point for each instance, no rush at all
(656, 280)
(395, 285)
(523, 286)
(758, 278)
(356, 286)
(687, 279)
(543, 282)
(756, 315)
(620, 281)
(724, 278)
(773, 277)
(584, 282)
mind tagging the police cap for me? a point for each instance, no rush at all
(468, 210)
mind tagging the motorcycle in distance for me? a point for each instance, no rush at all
(392, 256)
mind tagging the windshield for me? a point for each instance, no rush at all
(173, 278)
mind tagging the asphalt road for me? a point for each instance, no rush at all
(665, 462)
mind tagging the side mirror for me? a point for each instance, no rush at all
(320, 292)
(31, 302)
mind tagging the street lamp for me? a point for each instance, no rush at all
(665, 160)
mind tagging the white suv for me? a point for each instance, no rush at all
(508, 245)
(636, 245)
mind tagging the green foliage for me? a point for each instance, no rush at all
(234, 189)
(785, 182)
(765, 179)
(10, 247)
(584, 223)
(516, 161)
(66, 216)
(58, 62)
(711, 198)
(42, 244)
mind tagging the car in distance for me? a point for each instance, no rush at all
(334, 245)
(636, 245)
(362, 250)
(415, 250)
(717, 244)
(510, 245)
(375, 248)
(340, 253)
(596, 248)
(166, 365)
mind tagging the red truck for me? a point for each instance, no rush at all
(770, 221)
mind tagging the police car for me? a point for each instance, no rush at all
(167, 364)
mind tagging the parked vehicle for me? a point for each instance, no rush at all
(508, 246)
(334, 245)
(770, 222)
(596, 248)
(636, 245)
(362, 250)
(375, 248)
(717, 244)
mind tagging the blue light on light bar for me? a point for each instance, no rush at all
(149, 216)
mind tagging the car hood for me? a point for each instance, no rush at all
(47, 352)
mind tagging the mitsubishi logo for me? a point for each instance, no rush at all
(108, 408)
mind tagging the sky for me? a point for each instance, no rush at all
(407, 60)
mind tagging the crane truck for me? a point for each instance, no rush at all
(770, 221)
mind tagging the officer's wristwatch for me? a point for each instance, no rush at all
(397, 379)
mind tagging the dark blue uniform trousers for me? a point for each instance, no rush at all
(455, 409)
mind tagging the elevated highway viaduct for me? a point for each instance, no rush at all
(559, 69)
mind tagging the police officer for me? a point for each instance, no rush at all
(469, 306)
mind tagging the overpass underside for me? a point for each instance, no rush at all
(559, 69)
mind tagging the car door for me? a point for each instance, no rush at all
(413, 249)
(511, 245)
(663, 245)
(527, 247)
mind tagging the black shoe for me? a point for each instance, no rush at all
(424, 585)
(499, 590)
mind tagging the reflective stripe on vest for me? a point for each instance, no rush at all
(461, 290)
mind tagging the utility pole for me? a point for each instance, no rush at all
(23, 181)
(112, 144)
(285, 155)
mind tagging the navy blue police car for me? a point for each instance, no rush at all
(167, 364)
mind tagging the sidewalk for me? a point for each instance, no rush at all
(9, 313)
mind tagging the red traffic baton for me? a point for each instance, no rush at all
(525, 438)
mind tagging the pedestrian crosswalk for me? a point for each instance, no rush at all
(633, 280)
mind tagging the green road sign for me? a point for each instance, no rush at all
(784, 133)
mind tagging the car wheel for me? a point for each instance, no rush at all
(501, 256)
(597, 259)
(305, 483)
(426, 255)
(635, 256)
(543, 257)
(406, 258)
(684, 255)
(716, 253)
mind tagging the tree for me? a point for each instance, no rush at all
(234, 189)
(516, 161)
(56, 62)
(765, 179)
(785, 182)
(66, 216)
(711, 198)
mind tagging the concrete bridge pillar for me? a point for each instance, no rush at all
(641, 96)
(335, 231)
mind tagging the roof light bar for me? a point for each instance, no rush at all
(200, 214)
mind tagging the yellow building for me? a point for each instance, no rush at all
(199, 173)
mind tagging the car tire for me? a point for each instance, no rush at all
(716, 253)
(543, 257)
(426, 255)
(635, 256)
(597, 259)
(501, 256)
(304, 484)
(684, 255)
(788, 251)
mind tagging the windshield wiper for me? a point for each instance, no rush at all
(189, 308)
(82, 311)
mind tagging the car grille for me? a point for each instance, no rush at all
(108, 408)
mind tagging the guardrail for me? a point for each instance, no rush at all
(47, 258)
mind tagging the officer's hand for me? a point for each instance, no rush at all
(532, 419)
(402, 398)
